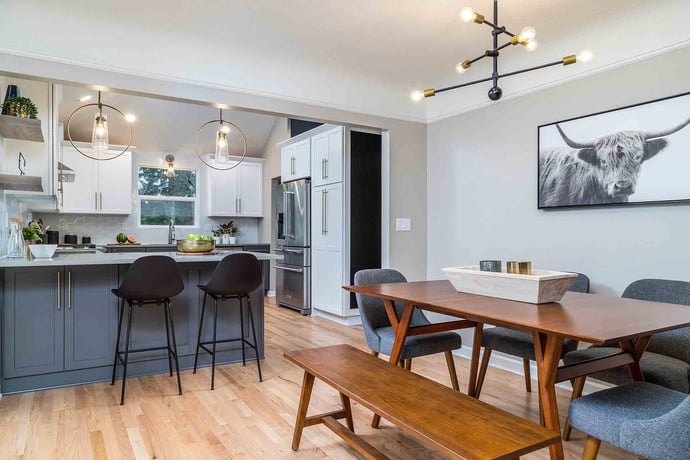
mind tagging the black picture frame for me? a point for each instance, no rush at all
(560, 168)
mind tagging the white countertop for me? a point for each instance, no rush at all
(100, 258)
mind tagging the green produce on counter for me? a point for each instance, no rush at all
(197, 237)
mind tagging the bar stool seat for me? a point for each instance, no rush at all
(235, 277)
(151, 280)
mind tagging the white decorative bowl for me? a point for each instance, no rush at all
(43, 251)
(542, 286)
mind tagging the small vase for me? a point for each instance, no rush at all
(233, 240)
(217, 239)
(225, 239)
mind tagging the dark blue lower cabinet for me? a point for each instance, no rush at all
(90, 316)
(33, 321)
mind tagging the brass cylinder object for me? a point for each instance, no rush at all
(478, 18)
(567, 60)
(429, 92)
(519, 267)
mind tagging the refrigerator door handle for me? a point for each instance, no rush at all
(288, 224)
(288, 269)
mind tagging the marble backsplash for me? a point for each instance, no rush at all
(103, 228)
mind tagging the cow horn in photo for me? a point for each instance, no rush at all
(653, 135)
(571, 143)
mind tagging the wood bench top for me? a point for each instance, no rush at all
(440, 417)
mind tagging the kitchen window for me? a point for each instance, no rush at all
(162, 199)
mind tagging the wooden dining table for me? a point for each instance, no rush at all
(590, 318)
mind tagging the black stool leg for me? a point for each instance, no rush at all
(174, 341)
(244, 360)
(127, 342)
(213, 355)
(167, 337)
(256, 344)
(121, 313)
(201, 327)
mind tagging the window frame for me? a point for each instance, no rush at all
(196, 199)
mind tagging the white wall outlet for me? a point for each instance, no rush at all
(403, 224)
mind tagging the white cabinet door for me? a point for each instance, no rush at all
(326, 270)
(250, 198)
(327, 157)
(222, 192)
(115, 185)
(295, 162)
(79, 182)
(327, 217)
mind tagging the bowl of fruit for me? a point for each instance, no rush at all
(196, 244)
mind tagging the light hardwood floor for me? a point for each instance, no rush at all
(241, 419)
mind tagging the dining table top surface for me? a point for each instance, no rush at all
(591, 318)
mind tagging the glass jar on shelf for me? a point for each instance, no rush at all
(15, 243)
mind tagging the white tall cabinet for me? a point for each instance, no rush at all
(236, 192)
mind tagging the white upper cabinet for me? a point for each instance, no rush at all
(327, 157)
(295, 161)
(94, 187)
(236, 192)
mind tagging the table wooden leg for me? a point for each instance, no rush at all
(547, 348)
(307, 385)
(636, 349)
(474, 364)
(403, 325)
(348, 411)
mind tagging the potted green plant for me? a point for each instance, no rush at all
(32, 235)
(217, 235)
(228, 233)
(21, 107)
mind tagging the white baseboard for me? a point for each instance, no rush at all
(271, 294)
(514, 364)
(344, 320)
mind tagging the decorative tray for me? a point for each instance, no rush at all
(542, 286)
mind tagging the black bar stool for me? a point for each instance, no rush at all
(151, 280)
(235, 277)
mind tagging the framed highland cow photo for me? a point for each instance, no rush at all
(638, 154)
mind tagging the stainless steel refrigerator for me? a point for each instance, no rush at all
(292, 225)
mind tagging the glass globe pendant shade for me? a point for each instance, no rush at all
(99, 137)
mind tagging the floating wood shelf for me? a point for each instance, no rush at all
(25, 129)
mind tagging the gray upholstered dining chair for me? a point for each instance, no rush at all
(642, 418)
(519, 343)
(380, 335)
(666, 361)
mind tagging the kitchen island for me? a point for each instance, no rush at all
(59, 319)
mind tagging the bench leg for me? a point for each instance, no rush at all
(348, 412)
(451, 370)
(591, 449)
(307, 385)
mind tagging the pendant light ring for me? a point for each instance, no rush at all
(224, 122)
(99, 105)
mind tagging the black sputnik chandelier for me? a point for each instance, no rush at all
(526, 38)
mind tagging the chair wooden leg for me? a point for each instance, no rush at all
(578, 386)
(591, 449)
(528, 377)
(408, 364)
(375, 354)
(451, 370)
(482, 371)
(307, 385)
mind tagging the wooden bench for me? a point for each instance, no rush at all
(443, 419)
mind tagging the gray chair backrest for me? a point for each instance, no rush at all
(667, 436)
(371, 309)
(674, 343)
(581, 284)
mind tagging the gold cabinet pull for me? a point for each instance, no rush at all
(69, 290)
(58, 292)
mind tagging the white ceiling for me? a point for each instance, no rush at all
(162, 126)
(360, 55)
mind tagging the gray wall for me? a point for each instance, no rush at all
(407, 193)
(482, 194)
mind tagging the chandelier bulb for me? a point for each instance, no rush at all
(532, 44)
(467, 14)
(528, 33)
(585, 56)
(462, 66)
(416, 95)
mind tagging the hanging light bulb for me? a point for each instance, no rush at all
(99, 137)
(170, 171)
(222, 151)
(532, 44)
(585, 56)
(528, 33)
(417, 95)
(467, 14)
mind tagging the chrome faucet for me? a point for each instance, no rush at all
(171, 232)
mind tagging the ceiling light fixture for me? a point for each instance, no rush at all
(99, 133)
(131, 118)
(526, 38)
(170, 171)
(227, 131)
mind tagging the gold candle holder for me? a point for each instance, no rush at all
(519, 267)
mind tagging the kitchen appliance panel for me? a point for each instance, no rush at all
(292, 213)
(294, 287)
